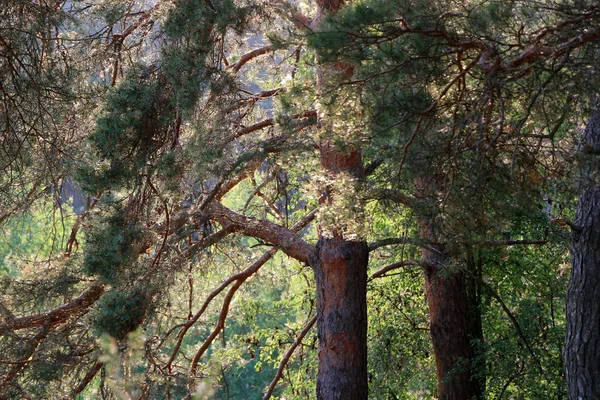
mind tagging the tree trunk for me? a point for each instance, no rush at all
(582, 344)
(340, 264)
(341, 278)
(451, 325)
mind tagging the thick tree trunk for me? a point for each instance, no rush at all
(341, 278)
(582, 344)
(451, 325)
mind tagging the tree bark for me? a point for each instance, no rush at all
(341, 279)
(582, 344)
(339, 263)
(451, 319)
(451, 330)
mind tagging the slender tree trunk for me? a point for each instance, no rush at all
(582, 344)
(341, 278)
(340, 264)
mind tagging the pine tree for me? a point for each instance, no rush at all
(222, 127)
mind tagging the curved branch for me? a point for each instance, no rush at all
(268, 231)
(270, 122)
(287, 356)
(238, 278)
(392, 195)
(218, 328)
(87, 379)
(249, 56)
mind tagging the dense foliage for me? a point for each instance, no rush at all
(170, 167)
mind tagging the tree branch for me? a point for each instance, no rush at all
(26, 358)
(268, 231)
(57, 315)
(249, 56)
(509, 242)
(401, 264)
(270, 122)
(393, 195)
(287, 356)
(222, 317)
(402, 240)
(242, 276)
(87, 379)
(512, 318)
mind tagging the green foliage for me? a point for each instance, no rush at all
(121, 311)
(112, 246)
(401, 364)
(134, 126)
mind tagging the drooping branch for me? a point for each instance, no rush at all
(268, 231)
(242, 276)
(58, 315)
(288, 355)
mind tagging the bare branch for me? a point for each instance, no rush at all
(287, 356)
(270, 122)
(238, 278)
(292, 14)
(220, 324)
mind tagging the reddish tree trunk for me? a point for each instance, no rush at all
(340, 265)
(341, 278)
(451, 325)
(582, 344)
